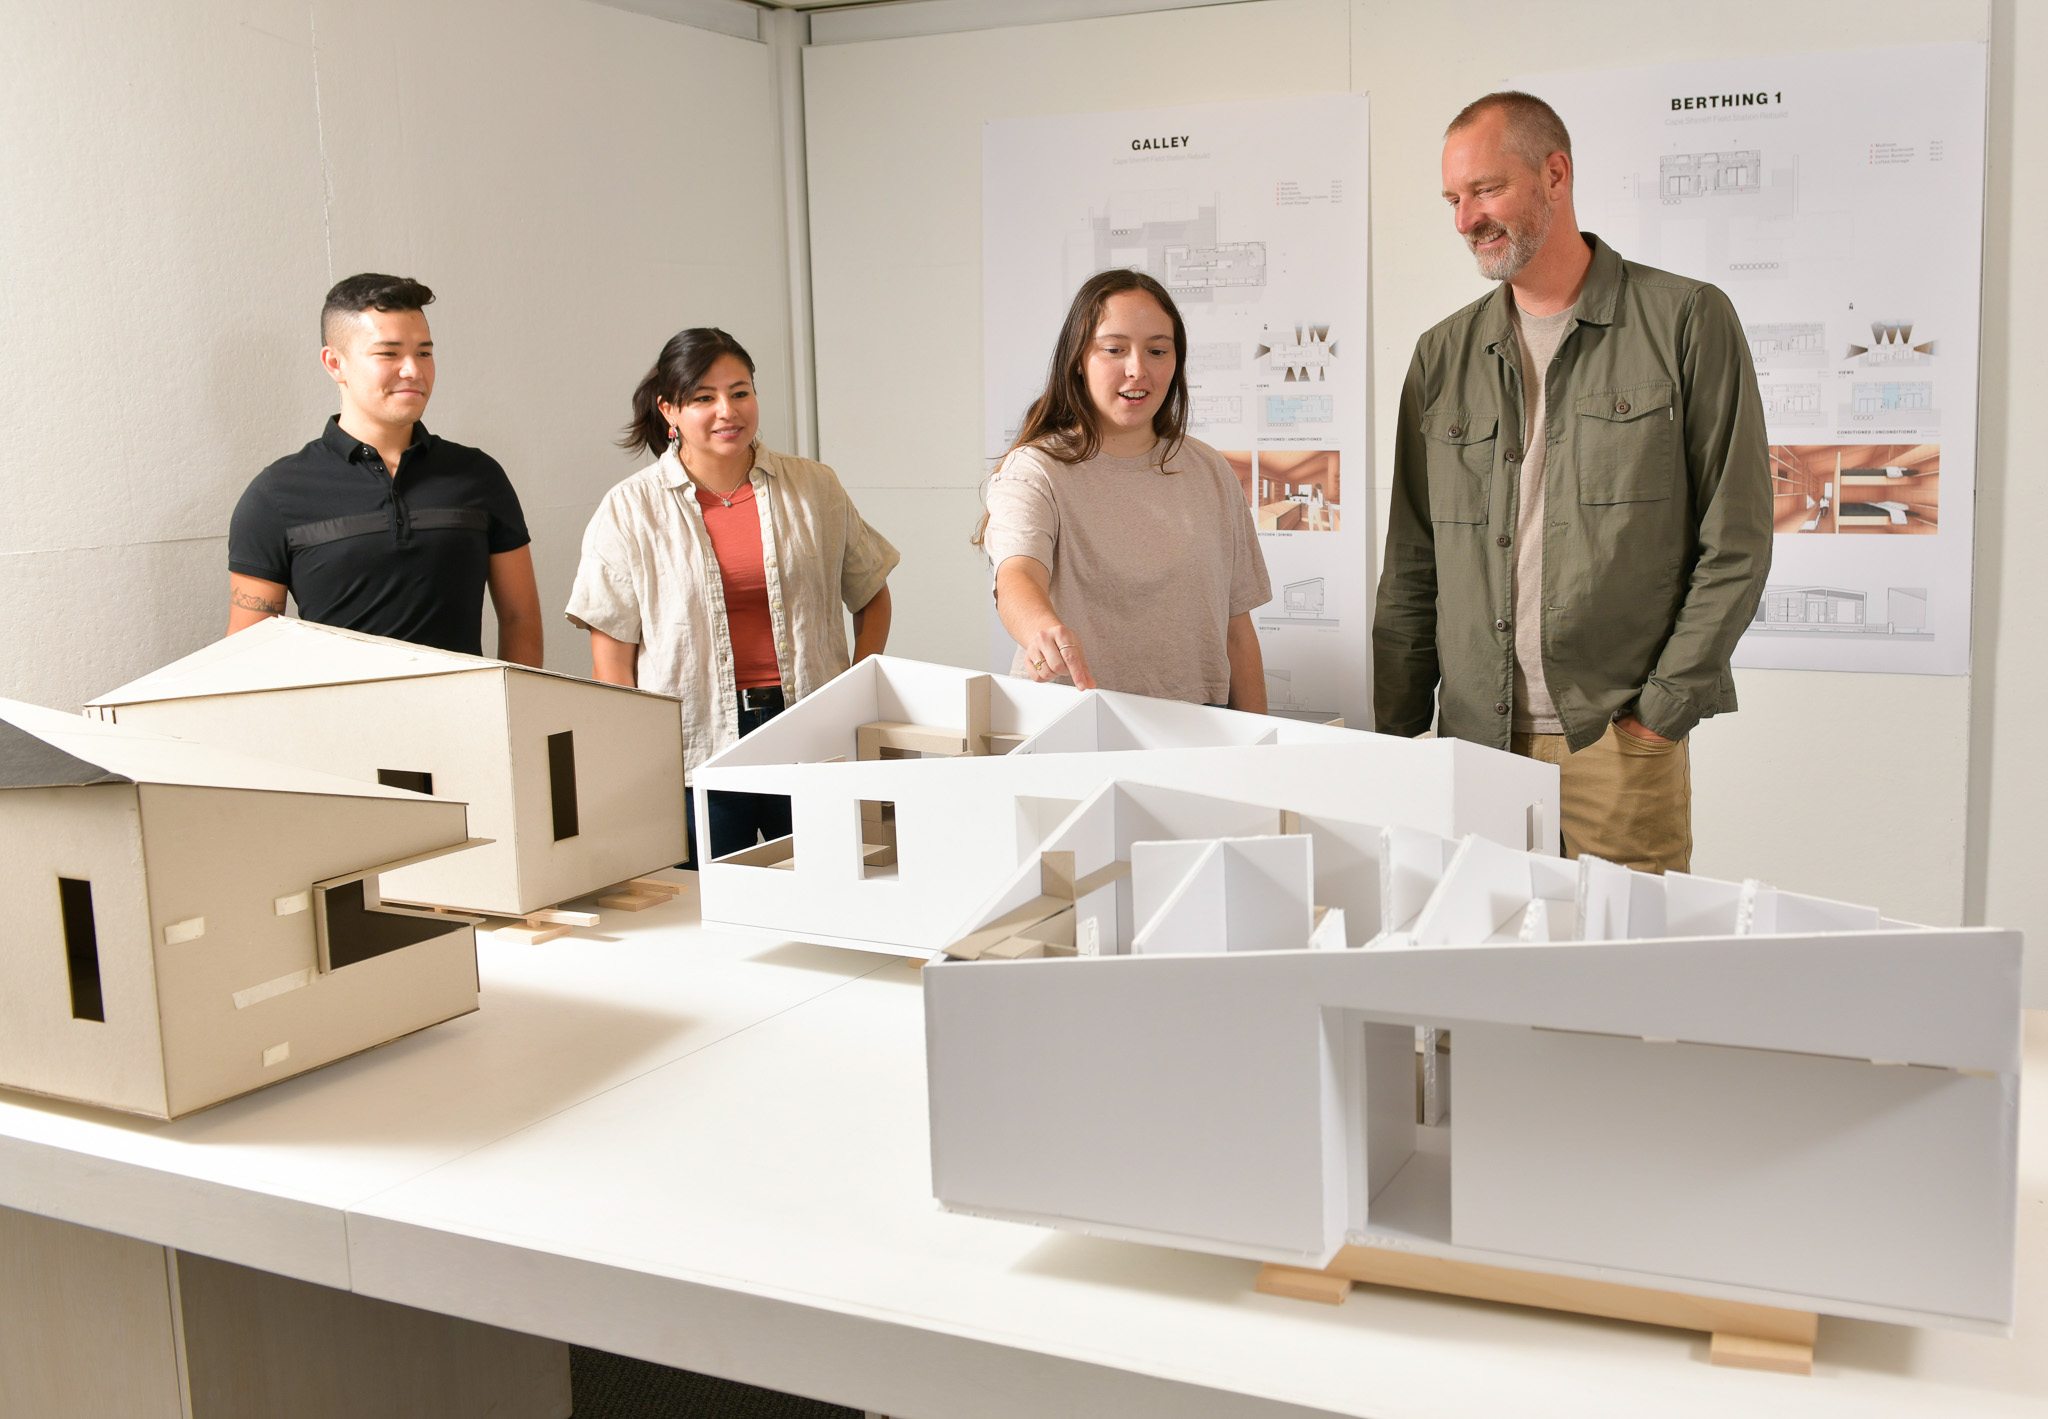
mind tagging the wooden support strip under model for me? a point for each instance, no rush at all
(531, 933)
(1744, 1334)
(556, 917)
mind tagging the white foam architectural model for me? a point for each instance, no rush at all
(1671, 1082)
(577, 784)
(917, 791)
(186, 924)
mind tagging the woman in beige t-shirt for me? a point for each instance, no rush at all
(1125, 555)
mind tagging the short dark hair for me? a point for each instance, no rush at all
(684, 361)
(1534, 129)
(372, 290)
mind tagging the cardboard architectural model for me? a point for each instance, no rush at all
(1671, 1082)
(186, 924)
(577, 784)
(917, 791)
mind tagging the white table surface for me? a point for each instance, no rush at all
(693, 1148)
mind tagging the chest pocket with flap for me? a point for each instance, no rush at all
(1461, 451)
(1627, 445)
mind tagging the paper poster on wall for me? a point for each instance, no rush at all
(1253, 215)
(1838, 200)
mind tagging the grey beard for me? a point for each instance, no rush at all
(1522, 249)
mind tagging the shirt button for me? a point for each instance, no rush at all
(1455, 432)
(1514, 455)
(1621, 406)
(1500, 625)
(1500, 708)
(1503, 540)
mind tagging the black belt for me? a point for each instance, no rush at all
(764, 697)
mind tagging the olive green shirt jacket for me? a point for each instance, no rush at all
(1657, 514)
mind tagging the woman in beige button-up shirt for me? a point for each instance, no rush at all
(649, 588)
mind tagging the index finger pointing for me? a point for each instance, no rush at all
(1077, 667)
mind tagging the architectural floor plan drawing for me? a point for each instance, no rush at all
(1171, 235)
(1683, 175)
(1253, 216)
(1226, 266)
(1837, 201)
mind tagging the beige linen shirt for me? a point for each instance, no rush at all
(650, 578)
(1148, 565)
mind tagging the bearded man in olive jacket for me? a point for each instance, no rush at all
(1581, 521)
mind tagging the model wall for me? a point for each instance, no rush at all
(182, 184)
(1912, 792)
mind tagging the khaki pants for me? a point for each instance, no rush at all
(1621, 798)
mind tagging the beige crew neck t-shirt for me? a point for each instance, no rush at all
(1537, 338)
(1148, 564)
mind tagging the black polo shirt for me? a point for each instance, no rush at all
(406, 557)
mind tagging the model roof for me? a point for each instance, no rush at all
(29, 762)
(281, 653)
(45, 748)
(284, 654)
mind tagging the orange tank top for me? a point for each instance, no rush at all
(736, 542)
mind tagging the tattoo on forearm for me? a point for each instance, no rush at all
(249, 601)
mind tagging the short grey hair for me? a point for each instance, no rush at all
(1534, 129)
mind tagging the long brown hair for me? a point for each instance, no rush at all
(1062, 420)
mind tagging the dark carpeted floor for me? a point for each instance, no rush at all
(614, 1387)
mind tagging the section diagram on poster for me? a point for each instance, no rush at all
(1252, 215)
(1837, 199)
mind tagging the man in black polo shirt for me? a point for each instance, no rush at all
(377, 525)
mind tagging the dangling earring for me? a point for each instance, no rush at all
(675, 437)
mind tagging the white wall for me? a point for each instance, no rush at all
(1915, 793)
(182, 183)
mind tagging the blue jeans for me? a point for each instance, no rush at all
(740, 819)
